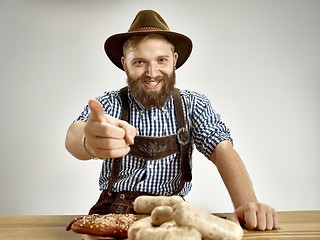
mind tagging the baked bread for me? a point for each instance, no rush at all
(110, 225)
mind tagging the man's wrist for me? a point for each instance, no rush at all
(84, 146)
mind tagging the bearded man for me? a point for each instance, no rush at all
(145, 133)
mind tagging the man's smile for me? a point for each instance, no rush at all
(152, 84)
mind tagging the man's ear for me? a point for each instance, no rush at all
(175, 58)
(123, 61)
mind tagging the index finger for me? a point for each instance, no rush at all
(130, 131)
(250, 219)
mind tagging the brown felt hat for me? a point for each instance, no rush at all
(148, 22)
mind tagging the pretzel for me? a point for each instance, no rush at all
(110, 225)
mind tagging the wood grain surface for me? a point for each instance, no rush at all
(293, 225)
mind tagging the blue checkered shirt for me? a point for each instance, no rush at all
(161, 177)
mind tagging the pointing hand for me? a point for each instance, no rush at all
(106, 136)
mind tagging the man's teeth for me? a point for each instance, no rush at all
(153, 83)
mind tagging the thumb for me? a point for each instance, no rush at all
(234, 218)
(97, 112)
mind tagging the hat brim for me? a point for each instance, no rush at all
(113, 45)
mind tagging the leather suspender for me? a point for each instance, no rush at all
(183, 139)
(155, 148)
(116, 162)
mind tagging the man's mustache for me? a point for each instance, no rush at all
(148, 78)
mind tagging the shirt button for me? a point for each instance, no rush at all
(119, 210)
(122, 196)
(154, 118)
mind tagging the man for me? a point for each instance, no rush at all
(148, 151)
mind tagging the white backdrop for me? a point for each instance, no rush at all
(258, 62)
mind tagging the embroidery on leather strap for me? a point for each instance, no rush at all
(152, 148)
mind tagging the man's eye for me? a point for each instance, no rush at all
(162, 60)
(138, 62)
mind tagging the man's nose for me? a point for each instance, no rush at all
(152, 70)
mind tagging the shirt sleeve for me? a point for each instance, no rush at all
(110, 102)
(84, 115)
(208, 130)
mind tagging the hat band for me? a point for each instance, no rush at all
(146, 29)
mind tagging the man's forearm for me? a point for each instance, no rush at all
(234, 174)
(73, 141)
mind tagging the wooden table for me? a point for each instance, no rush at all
(293, 225)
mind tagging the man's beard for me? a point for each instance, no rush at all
(150, 98)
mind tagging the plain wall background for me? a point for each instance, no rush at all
(258, 62)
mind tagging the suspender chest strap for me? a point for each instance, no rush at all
(155, 148)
